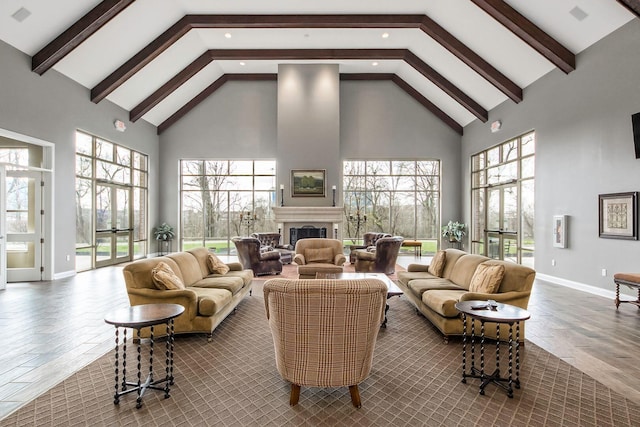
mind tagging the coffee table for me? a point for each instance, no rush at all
(498, 313)
(138, 317)
(392, 289)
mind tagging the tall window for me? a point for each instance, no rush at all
(392, 196)
(225, 198)
(102, 168)
(502, 195)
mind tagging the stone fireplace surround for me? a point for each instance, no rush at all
(318, 216)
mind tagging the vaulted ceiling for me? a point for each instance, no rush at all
(158, 59)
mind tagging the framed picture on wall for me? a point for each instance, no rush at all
(618, 215)
(559, 231)
(307, 182)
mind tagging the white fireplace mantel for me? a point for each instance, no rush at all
(308, 214)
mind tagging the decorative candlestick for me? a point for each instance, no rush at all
(333, 189)
(281, 194)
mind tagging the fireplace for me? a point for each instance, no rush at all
(299, 218)
(306, 232)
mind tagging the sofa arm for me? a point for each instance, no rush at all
(299, 259)
(418, 267)
(235, 266)
(185, 297)
(514, 298)
(339, 259)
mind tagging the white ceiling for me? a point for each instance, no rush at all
(144, 20)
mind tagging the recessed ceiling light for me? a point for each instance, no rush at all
(385, 35)
(227, 35)
(242, 63)
(578, 13)
(21, 14)
(375, 64)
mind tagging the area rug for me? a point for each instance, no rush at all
(415, 380)
(290, 271)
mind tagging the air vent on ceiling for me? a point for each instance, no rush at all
(578, 13)
(21, 14)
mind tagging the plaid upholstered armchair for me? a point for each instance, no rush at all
(324, 333)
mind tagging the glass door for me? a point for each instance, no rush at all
(113, 224)
(23, 225)
(501, 232)
(3, 215)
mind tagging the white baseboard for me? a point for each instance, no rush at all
(64, 274)
(611, 294)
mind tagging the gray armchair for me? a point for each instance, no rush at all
(270, 241)
(250, 256)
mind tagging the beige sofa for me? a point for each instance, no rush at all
(207, 299)
(435, 296)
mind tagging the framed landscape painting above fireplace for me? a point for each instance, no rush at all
(307, 182)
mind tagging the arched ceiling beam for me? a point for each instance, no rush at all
(355, 76)
(81, 30)
(542, 42)
(422, 22)
(309, 54)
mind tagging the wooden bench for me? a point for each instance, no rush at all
(631, 280)
(415, 244)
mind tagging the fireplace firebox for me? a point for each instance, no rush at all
(306, 232)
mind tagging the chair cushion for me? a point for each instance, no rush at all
(487, 278)
(215, 265)
(437, 264)
(164, 278)
(319, 255)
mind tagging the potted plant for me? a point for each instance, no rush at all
(454, 231)
(164, 232)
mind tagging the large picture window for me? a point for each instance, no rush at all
(399, 197)
(224, 198)
(502, 198)
(111, 203)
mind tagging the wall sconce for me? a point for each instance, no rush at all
(281, 194)
(280, 227)
(333, 189)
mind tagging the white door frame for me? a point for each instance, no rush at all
(48, 156)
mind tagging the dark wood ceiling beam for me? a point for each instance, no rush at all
(472, 59)
(446, 86)
(344, 77)
(542, 42)
(188, 22)
(314, 54)
(186, 108)
(632, 6)
(169, 87)
(77, 33)
(139, 60)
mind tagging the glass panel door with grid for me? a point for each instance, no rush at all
(113, 224)
(23, 224)
(502, 222)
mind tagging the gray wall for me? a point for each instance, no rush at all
(584, 148)
(51, 107)
(377, 121)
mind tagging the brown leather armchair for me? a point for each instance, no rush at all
(383, 259)
(250, 256)
(370, 238)
(270, 241)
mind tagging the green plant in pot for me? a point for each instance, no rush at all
(164, 232)
(454, 231)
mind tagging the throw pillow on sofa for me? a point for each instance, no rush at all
(216, 265)
(487, 278)
(437, 264)
(164, 278)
